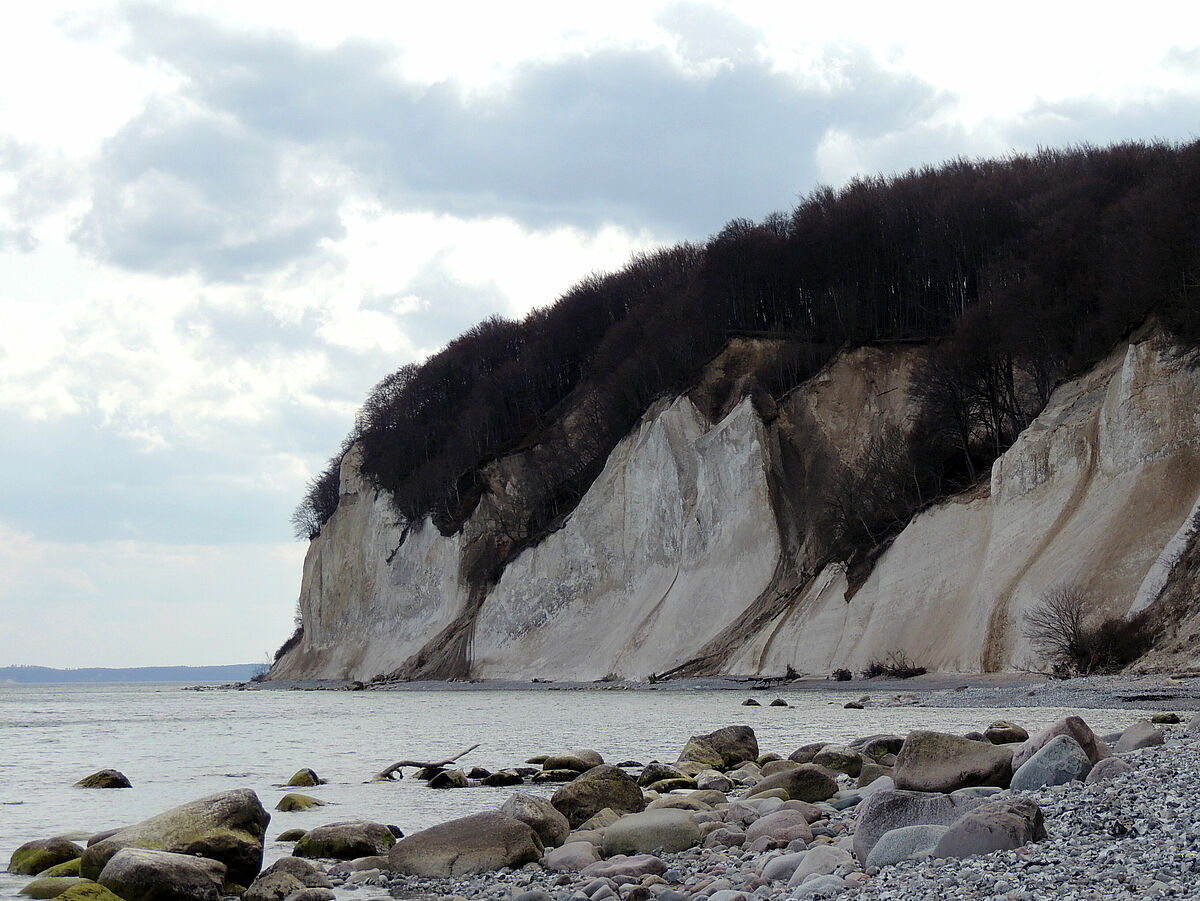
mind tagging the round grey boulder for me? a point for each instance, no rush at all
(887, 810)
(665, 829)
(1073, 726)
(476, 844)
(1003, 824)
(599, 787)
(345, 840)
(541, 816)
(806, 782)
(941, 762)
(1060, 761)
(1142, 734)
(905, 843)
(138, 874)
(1108, 768)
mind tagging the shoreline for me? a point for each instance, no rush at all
(1180, 691)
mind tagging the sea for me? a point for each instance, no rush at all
(178, 742)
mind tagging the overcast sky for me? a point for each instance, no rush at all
(222, 222)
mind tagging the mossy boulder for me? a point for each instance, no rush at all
(806, 782)
(291, 835)
(52, 886)
(228, 827)
(138, 874)
(681, 783)
(449, 779)
(296, 801)
(41, 854)
(88, 892)
(104, 779)
(580, 760)
(941, 762)
(539, 815)
(66, 868)
(305, 778)
(345, 841)
(600, 787)
(723, 748)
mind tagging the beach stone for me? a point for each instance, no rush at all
(888, 810)
(871, 772)
(1002, 824)
(639, 833)
(941, 762)
(228, 827)
(478, 772)
(345, 840)
(683, 783)
(306, 872)
(712, 780)
(657, 772)
(296, 801)
(877, 745)
(51, 886)
(777, 766)
(782, 867)
(1108, 768)
(104, 779)
(839, 759)
(580, 761)
(479, 843)
(90, 891)
(781, 827)
(1073, 726)
(723, 749)
(66, 868)
(637, 866)
(1142, 734)
(805, 753)
(555, 776)
(311, 894)
(139, 874)
(291, 835)
(806, 782)
(449, 779)
(820, 887)
(571, 857)
(272, 887)
(1165, 719)
(905, 843)
(820, 861)
(1059, 761)
(503, 778)
(305, 778)
(601, 819)
(42, 854)
(678, 802)
(708, 796)
(541, 816)
(749, 773)
(599, 787)
(1003, 732)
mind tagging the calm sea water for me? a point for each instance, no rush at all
(176, 745)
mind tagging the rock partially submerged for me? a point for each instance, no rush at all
(598, 788)
(33, 857)
(104, 779)
(345, 840)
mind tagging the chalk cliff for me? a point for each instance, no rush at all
(698, 547)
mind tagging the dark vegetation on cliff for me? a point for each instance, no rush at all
(1019, 272)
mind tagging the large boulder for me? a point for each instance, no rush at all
(1002, 824)
(51, 886)
(666, 829)
(1108, 768)
(138, 874)
(780, 827)
(819, 861)
(1004, 732)
(580, 760)
(89, 891)
(723, 748)
(905, 843)
(571, 857)
(293, 801)
(104, 779)
(228, 827)
(1142, 734)
(657, 772)
(345, 840)
(541, 816)
(284, 878)
(839, 759)
(887, 810)
(600, 787)
(941, 762)
(42, 854)
(1060, 761)
(305, 778)
(476, 844)
(1073, 726)
(806, 782)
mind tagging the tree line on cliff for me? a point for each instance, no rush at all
(1019, 272)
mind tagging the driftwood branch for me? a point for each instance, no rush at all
(394, 770)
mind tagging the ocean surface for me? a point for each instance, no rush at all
(176, 745)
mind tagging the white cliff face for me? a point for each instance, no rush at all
(1094, 494)
(680, 535)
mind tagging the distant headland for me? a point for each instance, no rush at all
(234, 672)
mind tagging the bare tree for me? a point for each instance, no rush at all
(1055, 627)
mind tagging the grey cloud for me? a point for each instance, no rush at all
(43, 184)
(620, 136)
(1171, 117)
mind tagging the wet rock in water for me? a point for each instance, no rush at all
(291, 835)
(664, 829)
(683, 783)
(104, 779)
(42, 854)
(478, 772)
(228, 827)
(888, 810)
(656, 772)
(711, 780)
(1142, 734)
(66, 868)
(1059, 761)
(1108, 768)
(580, 760)
(941, 762)
(306, 872)
(295, 801)
(571, 857)
(540, 815)
(750, 702)
(1073, 726)
(806, 782)
(555, 776)
(51, 886)
(599, 787)
(305, 778)
(1003, 732)
(480, 843)
(998, 825)
(722, 749)
(449, 779)
(139, 874)
(503, 778)
(345, 840)
(778, 702)
(905, 843)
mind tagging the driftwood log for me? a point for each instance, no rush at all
(393, 772)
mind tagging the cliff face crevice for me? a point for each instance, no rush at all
(699, 547)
